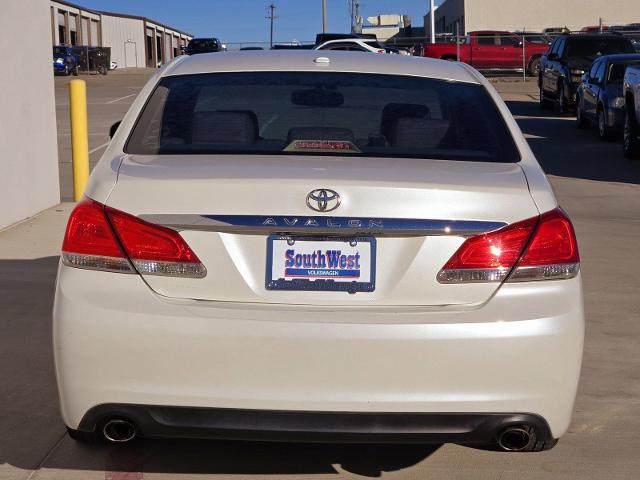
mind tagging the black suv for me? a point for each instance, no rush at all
(203, 45)
(568, 58)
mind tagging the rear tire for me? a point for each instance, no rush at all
(562, 101)
(545, 104)
(534, 67)
(604, 132)
(581, 122)
(631, 143)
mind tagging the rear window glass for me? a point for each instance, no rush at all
(617, 71)
(303, 113)
(594, 47)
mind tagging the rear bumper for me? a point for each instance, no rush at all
(116, 342)
(153, 421)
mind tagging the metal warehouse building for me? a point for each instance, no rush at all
(134, 41)
(533, 15)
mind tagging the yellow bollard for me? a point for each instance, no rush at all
(79, 136)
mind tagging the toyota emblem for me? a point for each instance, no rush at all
(323, 200)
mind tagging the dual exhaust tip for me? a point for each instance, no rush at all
(511, 439)
(517, 439)
(119, 430)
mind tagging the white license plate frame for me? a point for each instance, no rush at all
(335, 278)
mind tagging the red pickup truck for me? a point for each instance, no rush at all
(490, 50)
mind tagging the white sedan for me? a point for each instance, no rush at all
(319, 246)
(354, 45)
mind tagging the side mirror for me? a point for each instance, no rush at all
(585, 78)
(114, 129)
(518, 45)
(552, 57)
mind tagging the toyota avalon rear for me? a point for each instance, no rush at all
(319, 248)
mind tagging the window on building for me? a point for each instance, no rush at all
(73, 29)
(62, 36)
(94, 33)
(149, 50)
(158, 49)
(84, 27)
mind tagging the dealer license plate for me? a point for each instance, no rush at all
(321, 264)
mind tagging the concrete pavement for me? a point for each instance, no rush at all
(604, 434)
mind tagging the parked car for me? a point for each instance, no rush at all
(362, 249)
(554, 31)
(65, 61)
(355, 45)
(536, 37)
(631, 92)
(326, 37)
(599, 98)
(568, 59)
(595, 29)
(293, 46)
(203, 45)
(491, 51)
(631, 31)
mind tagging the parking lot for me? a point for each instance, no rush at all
(594, 183)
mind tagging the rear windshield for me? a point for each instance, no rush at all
(617, 70)
(595, 47)
(304, 113)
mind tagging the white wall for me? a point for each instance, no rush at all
(538, 14)
(28, 142)
(116, 31)
(451, 10)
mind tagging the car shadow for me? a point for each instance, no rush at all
(198, 457)
(564, 150)
(32, 435)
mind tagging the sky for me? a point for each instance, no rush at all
(244, 20)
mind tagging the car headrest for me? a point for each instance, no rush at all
(225, 127)
(393, 111)
(320, 133)
(422, 133)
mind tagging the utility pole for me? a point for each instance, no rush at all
(271, 10)
(432, 20)
(324, 16)
(353, 16)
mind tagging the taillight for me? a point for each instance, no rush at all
(540, 248)
(552, 253)
(100, 237)
(90, 243)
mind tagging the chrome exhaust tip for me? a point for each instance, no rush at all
(515, 439)
(119, 431)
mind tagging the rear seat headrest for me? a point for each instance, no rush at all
(225, 127)
(421, 133)
(393, 111)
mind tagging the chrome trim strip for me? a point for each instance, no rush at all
(278, 224)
